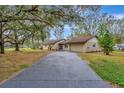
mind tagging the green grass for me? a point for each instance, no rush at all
(110, 68)
(22, 66)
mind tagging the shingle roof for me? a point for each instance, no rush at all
(52, 41)
(81, 39)
(64, 42)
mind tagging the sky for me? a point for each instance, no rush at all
(116, 10)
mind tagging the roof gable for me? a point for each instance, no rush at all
(82, 39)
(52, 41)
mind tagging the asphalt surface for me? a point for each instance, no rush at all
(57, 70)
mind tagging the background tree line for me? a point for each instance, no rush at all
(91, 24)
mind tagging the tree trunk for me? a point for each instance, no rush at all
(2, 47)
(16, 47)
(1, 40)
(33, 43)
(16, 41)
(107, 53)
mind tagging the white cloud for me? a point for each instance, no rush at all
(118, 16)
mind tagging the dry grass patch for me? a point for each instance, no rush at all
(110, 68)
(12, 62)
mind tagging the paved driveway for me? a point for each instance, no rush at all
(59, 69)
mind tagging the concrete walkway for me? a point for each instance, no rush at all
(57, 70)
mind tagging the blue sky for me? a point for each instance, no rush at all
(115, 10)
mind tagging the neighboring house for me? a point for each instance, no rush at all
(82, 44)
(45, 46)
(53, 44)
(119, 47)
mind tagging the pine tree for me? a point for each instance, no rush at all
(105, 39)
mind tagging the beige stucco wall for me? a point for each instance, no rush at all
(76, 47)
(66, 48)
(87, 47)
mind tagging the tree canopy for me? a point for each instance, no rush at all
(26, 24)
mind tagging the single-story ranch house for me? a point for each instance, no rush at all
(77, 44)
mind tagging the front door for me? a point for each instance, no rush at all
(60, 47)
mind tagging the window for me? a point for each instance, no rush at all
(94, 45)
(66, 46)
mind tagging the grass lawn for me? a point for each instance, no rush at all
(110, 68)
(12, 62)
